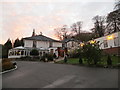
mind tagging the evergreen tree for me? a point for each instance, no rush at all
(22, 42)
(17, 43)
(6, 47)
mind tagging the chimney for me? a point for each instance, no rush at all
(40, 33)
(33, 34)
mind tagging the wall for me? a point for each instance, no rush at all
(57, 44)
(28, 43)
(43, 44)
(109, 41)
(111, 49)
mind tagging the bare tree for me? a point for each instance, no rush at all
(76, 27)
(117, 5)
(113, 21)
(58, 33)
(79, 24)
(62, 32)
(99, 26)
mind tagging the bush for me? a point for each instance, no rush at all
(50, 57)
(109, 61)
(7, 64)
(92, 53)
(34, 52)
(80, 59)
(43, 58)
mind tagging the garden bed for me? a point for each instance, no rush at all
(7, 64)
(101, 63)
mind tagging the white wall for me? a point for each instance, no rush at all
(57, 44)
(69, 44)
(43, 44)
(110, 42)
(39, 44)
(28, 43)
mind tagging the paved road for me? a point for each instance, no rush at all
(48, 75)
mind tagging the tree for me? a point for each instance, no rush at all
(22, 42)
(76, 27)
(17, 43)
(34, 52)
(113, 21)
(92, 52)
(1, 46)
(6, 47)
(109, 60)
(62, 32)
(117, 5)
(99, 27)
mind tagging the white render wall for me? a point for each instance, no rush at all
(110, 42)
(57, 44)
(41, 44)
(28, 43)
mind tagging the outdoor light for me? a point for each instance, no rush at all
(92, 41)
(82, 44)
(110, 37)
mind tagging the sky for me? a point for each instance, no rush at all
(20, 17)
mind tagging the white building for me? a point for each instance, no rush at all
(42, 43)
(70, 44)
(110, 43)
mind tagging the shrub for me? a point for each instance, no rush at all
(92, 53)
(34, 52)
(80, 59)
(50, 57)
(43, 58)
(54, 55)
(109, 61)
(7, 64)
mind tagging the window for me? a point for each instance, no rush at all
(50, 44)
(34, 44)
(116, 41)
(105, 43)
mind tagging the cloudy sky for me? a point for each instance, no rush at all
(19, 17)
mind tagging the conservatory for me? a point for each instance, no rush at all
(20, 51)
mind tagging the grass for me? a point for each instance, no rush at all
(103, 62)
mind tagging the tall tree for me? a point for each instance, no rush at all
(8, 44)
(113, 19)
(22, 42)
(99, 27)
(6, 47)
(76, 27)
(117, 5)
(17, 43)
(62, 32)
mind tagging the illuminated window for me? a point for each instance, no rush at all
(105, 43)
(116, 41)
(110, 37)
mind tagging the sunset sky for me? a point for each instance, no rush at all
(19, 17)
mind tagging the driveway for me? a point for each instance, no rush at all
(49, 75)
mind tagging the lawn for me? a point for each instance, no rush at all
(103, 62)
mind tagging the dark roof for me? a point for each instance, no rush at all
(40, 38)
(69, 39)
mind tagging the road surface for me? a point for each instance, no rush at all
(49, 75)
